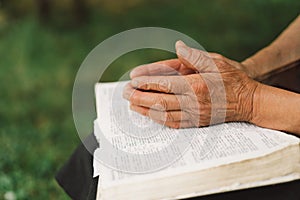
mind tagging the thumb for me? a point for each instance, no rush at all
(194, 59)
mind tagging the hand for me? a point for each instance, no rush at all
(162, 68)
(176, 67)
(181, 93)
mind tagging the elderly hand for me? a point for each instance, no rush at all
(183, 92)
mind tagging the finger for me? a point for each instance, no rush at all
(166, 84)
(162, 68)
(177, 125)
(161, 115)
(171, 124)
(195, 59)
(128, 91)
(158, 101)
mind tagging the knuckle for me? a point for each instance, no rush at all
(135, 98)
(205, 108)
(217, 56)
(149, 84)
(220, 63)
(203, 123)
(195, 57)
(204, 120)
(164, 85)
(158, 115)
(144, 84)
(200, 88)
(169, 116)
(194, 119)
(162, 103)
(185, 102)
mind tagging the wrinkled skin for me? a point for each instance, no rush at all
(179, 93)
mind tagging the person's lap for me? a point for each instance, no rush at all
(76, 175)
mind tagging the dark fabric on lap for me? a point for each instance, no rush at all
(76, 176)
(281, 191)
(289, 79)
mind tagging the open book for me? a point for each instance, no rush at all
(139, 159)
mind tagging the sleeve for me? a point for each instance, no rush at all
(76, 175)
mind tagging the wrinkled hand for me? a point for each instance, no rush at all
(197, 89)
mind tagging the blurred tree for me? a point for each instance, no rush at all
(18, 9)
(43, 9)
(115, 7)
(81, 11)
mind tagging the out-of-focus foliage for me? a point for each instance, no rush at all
(43, 42)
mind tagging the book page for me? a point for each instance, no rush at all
(133, 147)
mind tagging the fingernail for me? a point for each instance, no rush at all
(126, 94)
(179, 43)
(131, 107)
(137, 71)
(134, 83)
(183, 51)
(132, 73)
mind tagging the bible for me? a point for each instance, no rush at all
(139, 159)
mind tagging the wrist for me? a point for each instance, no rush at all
(264, 61)
(251, 67)
(275, 108)
(256, 117)
(247, 100)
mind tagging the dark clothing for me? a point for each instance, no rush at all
(75, 177)
(288, 79)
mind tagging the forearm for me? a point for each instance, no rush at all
(284, 50)
(275, 108)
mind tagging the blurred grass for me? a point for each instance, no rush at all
(39, 62)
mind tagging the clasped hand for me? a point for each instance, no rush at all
(181, 92)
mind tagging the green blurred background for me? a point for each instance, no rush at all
(43, 42)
